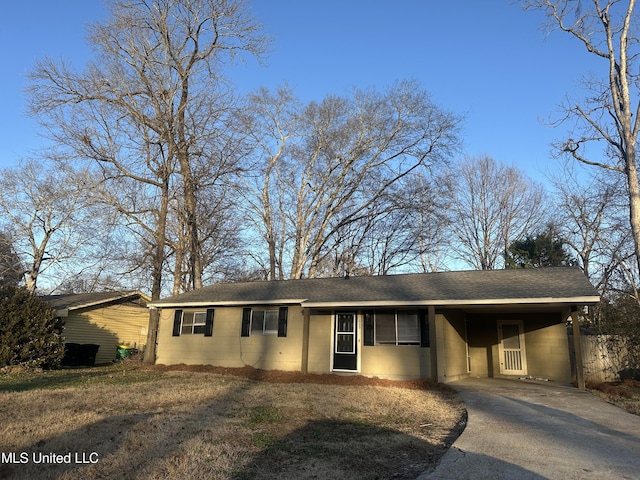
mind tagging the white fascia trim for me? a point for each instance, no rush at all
(492, 301)
(588, 300)
(238, 303)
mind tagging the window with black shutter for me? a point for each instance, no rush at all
(283, 313)
(246, 322)
(186, 322)
(208, 326)
(392, 327)
(177, 321)
(264, 321)
(424, 328)
(369, 328)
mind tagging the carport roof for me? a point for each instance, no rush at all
(555, 285)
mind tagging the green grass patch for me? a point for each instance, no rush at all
(263, 414)
(263, 440)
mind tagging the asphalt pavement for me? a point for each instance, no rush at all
(532, 429)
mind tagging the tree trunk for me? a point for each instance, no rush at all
(158, 263)
(634, 203)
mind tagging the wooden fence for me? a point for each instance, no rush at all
(603, 357)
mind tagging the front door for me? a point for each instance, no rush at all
(345, 342)
(513, 359)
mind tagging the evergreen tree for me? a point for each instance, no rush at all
(543, 250)
(30, 333)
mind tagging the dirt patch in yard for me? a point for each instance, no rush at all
(624, 394)
(204, 422)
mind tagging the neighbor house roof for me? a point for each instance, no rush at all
(489, 287)
(64, 303)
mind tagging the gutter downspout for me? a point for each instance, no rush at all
(433, 342)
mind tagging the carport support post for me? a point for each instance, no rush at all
(577, 347)
(433, 347)
(304, 364)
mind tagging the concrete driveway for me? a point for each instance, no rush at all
(524, 429)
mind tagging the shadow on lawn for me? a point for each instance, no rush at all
(330, 449)
(52, 380)
(72, 450)
(138, 444)
(176, 441)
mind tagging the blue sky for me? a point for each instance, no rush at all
(488, 60)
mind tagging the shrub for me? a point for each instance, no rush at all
(30, 333)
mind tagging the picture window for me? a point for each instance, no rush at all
(397, 327)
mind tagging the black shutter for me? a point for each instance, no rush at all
(283, 313)
(369, 328)
(246, 322)
(424, 328)
(208, 326)
(177, 322)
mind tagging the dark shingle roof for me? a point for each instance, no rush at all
(73, 301)
(552, 285)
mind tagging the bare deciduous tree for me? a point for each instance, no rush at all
(430, 223)
(406, 229)
(47, 209)
(11, 270)
(146, 110)
(493, 205)
(219, 230)
(328, 165)
(607, 119)
(590, 218)
(272, 122)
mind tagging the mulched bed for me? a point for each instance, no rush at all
(280, 376)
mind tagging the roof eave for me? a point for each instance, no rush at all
(125, 296)
(230, 303)
(582, 300)
(586, 300)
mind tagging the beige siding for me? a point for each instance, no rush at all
(108, 327)
(320, 335)
(452, 346)
(226, 348)
(384, 361)
(483, 346)
(545, 339)
(547, 350)
(396, 362)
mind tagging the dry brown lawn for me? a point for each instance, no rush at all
(183, 423)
